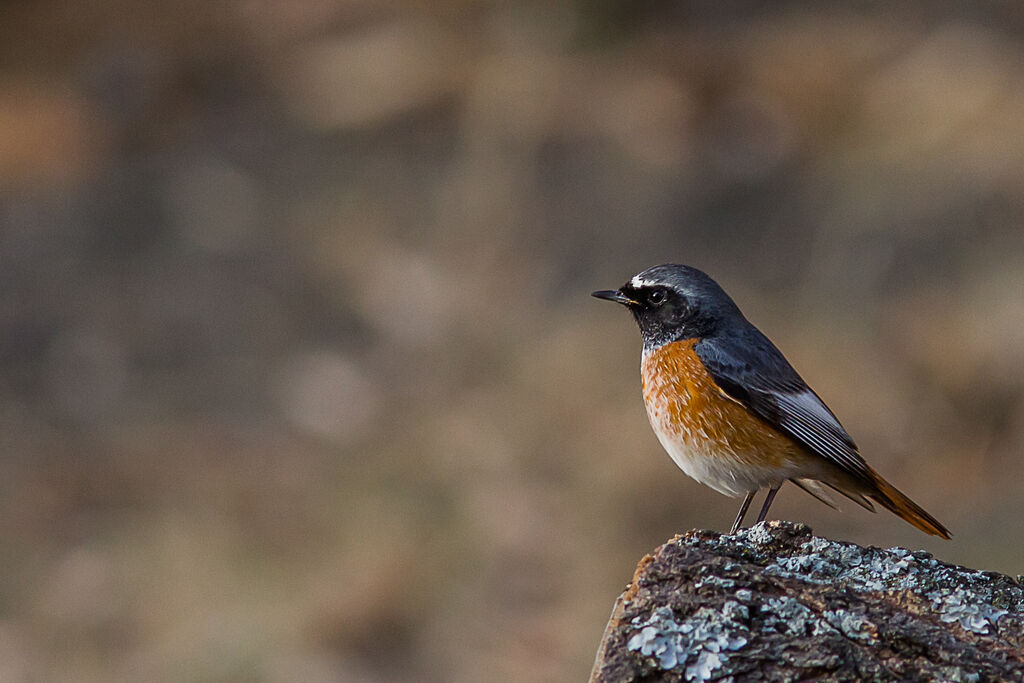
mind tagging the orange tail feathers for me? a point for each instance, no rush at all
(893, 500)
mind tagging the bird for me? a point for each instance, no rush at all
(732, 412)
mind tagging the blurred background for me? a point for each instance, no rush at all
(300, 376)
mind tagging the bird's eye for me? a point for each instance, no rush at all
(657, 297)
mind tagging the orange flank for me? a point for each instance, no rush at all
(686, 405)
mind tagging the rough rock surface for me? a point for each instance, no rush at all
(776, 603)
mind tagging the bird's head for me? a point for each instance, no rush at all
(672, 302)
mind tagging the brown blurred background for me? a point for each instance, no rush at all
(300, 375)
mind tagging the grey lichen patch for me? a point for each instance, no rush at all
(949, 673)
(791, 617)
(825, 561)
(758, 535)
(712, 580)
(699, 644)
(971, 615)
(788, 616)
(851, 625)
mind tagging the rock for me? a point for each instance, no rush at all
(776, 603)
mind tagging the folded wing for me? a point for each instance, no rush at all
(751, 370)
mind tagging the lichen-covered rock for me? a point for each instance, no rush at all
(775, 603)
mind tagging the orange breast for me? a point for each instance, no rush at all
(695, 420)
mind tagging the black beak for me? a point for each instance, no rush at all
(616, 296)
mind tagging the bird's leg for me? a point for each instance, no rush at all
(743, 511)
(767, 503)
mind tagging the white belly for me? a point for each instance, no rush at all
(726, 472)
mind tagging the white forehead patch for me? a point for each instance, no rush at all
(638, 282)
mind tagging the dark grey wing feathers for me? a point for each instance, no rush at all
(748, 367)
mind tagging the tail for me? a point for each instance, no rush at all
(893, 500)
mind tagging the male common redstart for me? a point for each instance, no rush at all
(731, 411)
